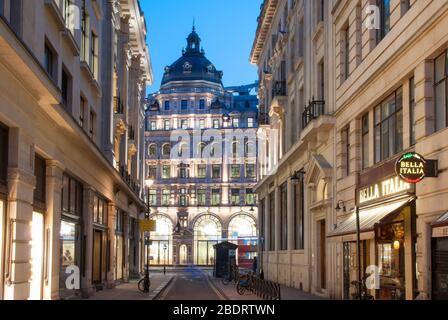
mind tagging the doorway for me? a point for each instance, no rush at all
(37, 254)
(440, 269)
(99, 257)
(183, 255)
(322, 254)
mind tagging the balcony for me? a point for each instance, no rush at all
(316, 122)
(279, 89)
(279, 99)
(129, 181)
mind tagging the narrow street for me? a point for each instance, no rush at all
(191, 284)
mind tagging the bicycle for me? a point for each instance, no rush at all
(144, 284)
(244, 283)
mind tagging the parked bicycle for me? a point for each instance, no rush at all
(230, 276)
(144, 284)
(245, 283)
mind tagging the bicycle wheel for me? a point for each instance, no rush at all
(240, 289)
(144, 285)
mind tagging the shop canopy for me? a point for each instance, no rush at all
(440, 226)
(369, 219)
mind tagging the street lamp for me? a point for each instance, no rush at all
(148, 183)
(164, 258)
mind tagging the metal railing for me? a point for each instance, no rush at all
(315, 109)
(267, 290)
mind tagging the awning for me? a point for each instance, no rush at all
(440, 226)
(369, 218)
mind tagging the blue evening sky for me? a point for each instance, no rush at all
(226, 27)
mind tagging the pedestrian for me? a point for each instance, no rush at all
(255, 265)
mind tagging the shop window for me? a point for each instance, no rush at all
(207, 233)
(389, 127)
(161, 248)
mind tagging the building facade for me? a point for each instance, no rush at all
(201, 154)
(377, 72)
(73, 80)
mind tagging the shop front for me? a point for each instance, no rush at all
(100, 241)
(440, 258)
(387, 220)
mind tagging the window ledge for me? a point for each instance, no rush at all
(67, 34)
(56, 13)
(88, 71)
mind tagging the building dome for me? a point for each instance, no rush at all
(193, 65)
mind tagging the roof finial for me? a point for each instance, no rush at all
(194, 25)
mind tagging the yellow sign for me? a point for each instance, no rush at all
(147, 225)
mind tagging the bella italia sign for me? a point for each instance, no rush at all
(413, 168)
(386, 188)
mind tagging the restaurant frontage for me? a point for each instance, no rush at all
(440, 258)
(386, 206)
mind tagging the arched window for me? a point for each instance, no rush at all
(207, 233)
(152, 150)
(183, 150)
(243, 232)
(166, 150)
(161, 248)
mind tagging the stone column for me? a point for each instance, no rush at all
(111, 220)
(126, 271)
(290, 215)
(21, 184)
(52, 229)
(87, 268)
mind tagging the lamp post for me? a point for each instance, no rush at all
(164, 258)
(148, 182)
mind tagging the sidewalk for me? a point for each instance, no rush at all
(286, 293)
(129, 291)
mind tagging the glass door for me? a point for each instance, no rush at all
(37, 253)
(97, 261)
(183, 254)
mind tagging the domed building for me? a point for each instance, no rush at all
(201, 196)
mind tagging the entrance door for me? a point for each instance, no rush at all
(98, 257)
(183, 254)
(440, 269)
(322, 255)
(37, 253)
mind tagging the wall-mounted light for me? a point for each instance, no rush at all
(397, 245)
(341, 206)
(297, 176)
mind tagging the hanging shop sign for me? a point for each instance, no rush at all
(147, 225)
(413, 168)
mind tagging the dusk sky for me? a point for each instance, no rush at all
(227, 29)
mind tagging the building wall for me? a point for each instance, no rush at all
(40, 123)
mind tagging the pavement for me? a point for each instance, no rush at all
(129, 291)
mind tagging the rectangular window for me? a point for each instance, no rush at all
(50, 61)
(119, 221)
(184, 124)
(346, 150)
(250, 197)
(202, 197)
(183, 220)
(216, 171)
(94, 55)
(202, 171)
(389, 127)
(183, 172)
(299, 209)
(236, 122)
(85, 31)
(166, 197)
(272, 221)
(40, 189)
(184, 105)
(72, 196)
(235, 171)
(15, 17)
(4, 133)
(347, 52)
(153, 197)
(2, 7)
(92, 123)
(166, 172)
(153, 126)
(250, 122)
(152, 172)
(202, 104)
(412, 110)
(166, 124)
(441, 89)
(167, 105)
(66, 85)
(216, 124)
(250, 170)
(216, 197)
(321, 79)
(384, 6)
(82, 111)
(365, 141)
(201, 124)
(283, 217)
(99, 210)
(183, 200)
(235, 197)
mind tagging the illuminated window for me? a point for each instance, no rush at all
(207, 232)
(161, 248)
